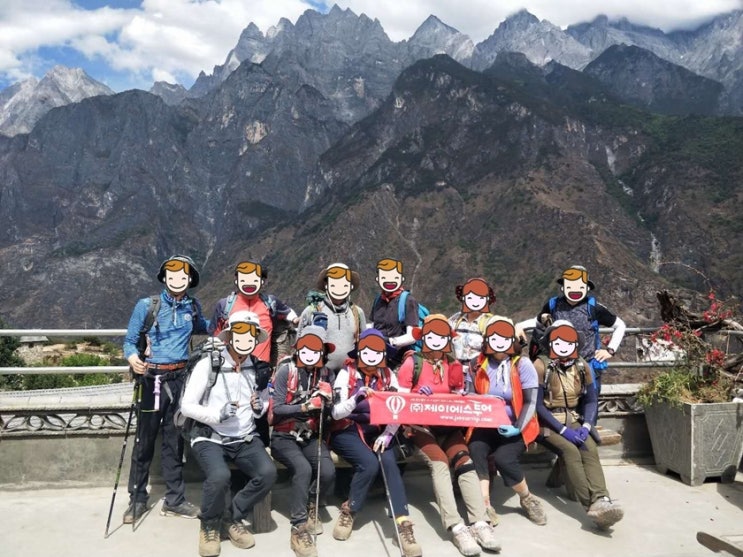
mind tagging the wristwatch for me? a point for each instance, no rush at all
(610, 350)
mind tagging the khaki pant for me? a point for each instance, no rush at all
(585, 476)
(438, 451)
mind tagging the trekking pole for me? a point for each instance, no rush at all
(121, 458)
(140, 380)
(389, 502)
(319, 459)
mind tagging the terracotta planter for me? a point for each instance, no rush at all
(697, 441)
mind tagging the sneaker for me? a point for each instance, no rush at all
(137, 509)
(463, 540)
(209, 544)
(533, 509)
(313, 522)
(605, 512)
(493, 517)
(410, 547)
(485, 536)
(301, 541)
(239, 535)
(184, 510)
(344, 524)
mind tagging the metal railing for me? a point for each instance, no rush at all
(51, 370)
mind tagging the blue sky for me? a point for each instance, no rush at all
(132, 43)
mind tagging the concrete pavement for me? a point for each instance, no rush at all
(662, 517)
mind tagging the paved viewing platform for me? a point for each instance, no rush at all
(662, 517)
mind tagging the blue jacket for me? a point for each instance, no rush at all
(174, 324)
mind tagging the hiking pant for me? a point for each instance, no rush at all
(442, 449)
(301, 461)
(585, 476)
(250, 458)
(171, 450)
(506, 452)
(349, 445)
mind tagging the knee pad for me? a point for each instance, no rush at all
(462, 463)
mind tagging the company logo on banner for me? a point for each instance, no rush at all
(438, 409)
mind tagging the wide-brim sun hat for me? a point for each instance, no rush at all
(243, 317)
(321, 279)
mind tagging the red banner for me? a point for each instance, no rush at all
(438, 409)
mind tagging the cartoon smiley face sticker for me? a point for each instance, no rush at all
(177, 276)
(500, 336)
(244, 338)
(563, 341)
(575, 284)
(338, 281)
(248, 277)
(389, 275)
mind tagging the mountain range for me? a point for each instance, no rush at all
(326, 141)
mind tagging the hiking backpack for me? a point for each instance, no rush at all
(538, 342)
(423, 312)
(184, 425)
(205, 350)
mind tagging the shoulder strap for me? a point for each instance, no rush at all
(151, 318)
(357, 319)
(417, 367)
(401, 305)
(553, 304)
(270, 301)
(594, 320)
(228, 305)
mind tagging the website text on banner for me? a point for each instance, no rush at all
(438, 409)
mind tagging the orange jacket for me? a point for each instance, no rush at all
(482, 386)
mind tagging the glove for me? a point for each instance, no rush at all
(425, 390)
(256, 403)
(382, 442)
(213, 343)
(572, 435)
(583, 433)
(361, 394)
(314, 404)
(324, 390)
(508, 430)
(228, 411)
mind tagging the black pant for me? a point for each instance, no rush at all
(506, 452)
(251, 459)
(301, 461)
(171, 452)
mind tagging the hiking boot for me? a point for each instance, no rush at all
(463, 540)
(605, 513)
(184, 510)
(313, 521)
(410, 547)
(492, 515)
(239, 534)
(533, 509)
(301, 541)
(344, 524)
(209, 544)
(134, 508)
(485, 536)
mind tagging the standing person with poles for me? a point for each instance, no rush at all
(225, 407)
(166, 323)
(356, 440)
(302, 391)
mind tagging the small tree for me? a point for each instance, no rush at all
(9, 358)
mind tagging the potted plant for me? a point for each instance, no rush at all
(696, 429)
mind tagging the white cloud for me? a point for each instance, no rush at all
(479, 18)
(177, 39)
